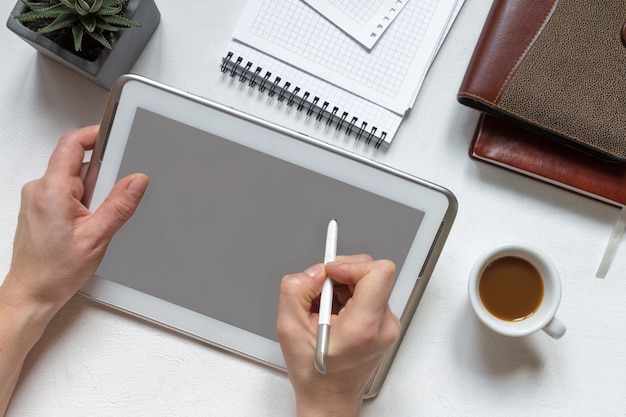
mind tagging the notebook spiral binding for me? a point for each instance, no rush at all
(303, 100)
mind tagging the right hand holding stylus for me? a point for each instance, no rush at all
(363, 329)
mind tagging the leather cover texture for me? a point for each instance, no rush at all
(512, 147)
(555, 67)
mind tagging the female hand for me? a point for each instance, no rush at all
(58, 246)
(59, 243)
(361, 331)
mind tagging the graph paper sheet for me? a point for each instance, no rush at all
(365, 21)
(390, 74)
(382, 119)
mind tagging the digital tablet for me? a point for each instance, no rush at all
(234, 204)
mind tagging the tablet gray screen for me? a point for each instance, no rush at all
(220, 224)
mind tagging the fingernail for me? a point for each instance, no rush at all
(137, 186)
(314, 270)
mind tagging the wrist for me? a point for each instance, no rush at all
(26, 316)
(341, 407)
(324, 411)
(328, 395)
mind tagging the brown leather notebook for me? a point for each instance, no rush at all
(555, 67)
(500, 143)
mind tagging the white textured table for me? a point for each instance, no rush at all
(95, 361)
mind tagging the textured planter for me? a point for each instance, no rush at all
(111, 63)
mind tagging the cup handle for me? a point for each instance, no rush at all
(555, 328)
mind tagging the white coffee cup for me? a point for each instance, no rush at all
(544, 316)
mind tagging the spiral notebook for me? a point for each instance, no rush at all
(292, 52)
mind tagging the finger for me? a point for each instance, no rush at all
(296, 296)
(67, 157)
(298, 291)
(362, 257)
(120, 204)
(342, 293)
(83, 171)
(373, 281)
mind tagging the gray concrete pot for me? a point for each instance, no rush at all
(112, 62)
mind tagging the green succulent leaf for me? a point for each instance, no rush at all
(81, 7)
(89, 22)
(85, 7)
(36, 5)
(102, 25)
(77, 33)
(121, 22)
(40, 13)
(70, 4)
(111, 10)
(97, 4)
(62, 21)
(100, 38)
(112, 3)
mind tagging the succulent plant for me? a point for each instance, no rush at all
(93, 17)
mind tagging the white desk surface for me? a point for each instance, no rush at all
(95, 361)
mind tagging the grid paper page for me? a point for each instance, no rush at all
(365, 21)
(375, 116)
(390, 74)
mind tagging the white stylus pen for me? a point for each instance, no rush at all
(326, 300)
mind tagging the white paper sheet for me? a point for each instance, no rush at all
(365, 21)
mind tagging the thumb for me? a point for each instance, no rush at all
(121, 203)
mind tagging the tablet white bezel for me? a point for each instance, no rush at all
(134, 92)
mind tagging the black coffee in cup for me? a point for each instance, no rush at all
(511, 288)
